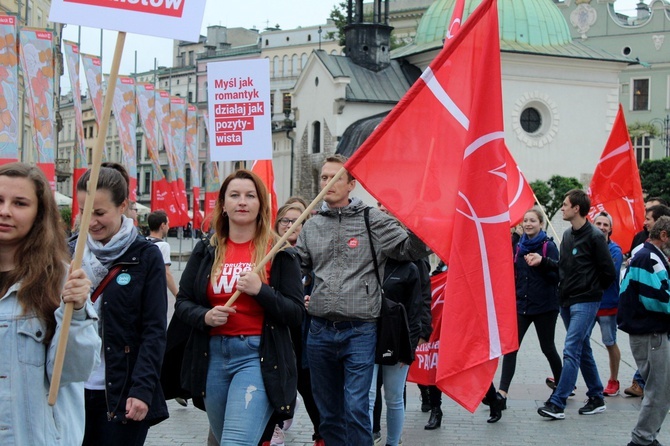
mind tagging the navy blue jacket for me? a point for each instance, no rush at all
(134, 319)
(537, 287)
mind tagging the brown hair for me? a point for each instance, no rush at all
(41, 259)
(113, 178)
(221, 225)
(578, 197)
(340, 159)
(537, 211)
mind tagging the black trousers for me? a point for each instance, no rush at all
(101, 432)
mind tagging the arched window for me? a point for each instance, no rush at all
(295, 67)
(303, 61)
(285, 67)
(275, 66)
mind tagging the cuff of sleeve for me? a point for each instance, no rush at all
(86, 312)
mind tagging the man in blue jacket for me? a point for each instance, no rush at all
(585, 269)
(644, 313)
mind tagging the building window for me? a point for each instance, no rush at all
(530, 120)
(640, 94)
(275, 66)
(285, 66)
(642, 146)
(286, 104)
(147, 182)
(187, 178)
(190, 96)
(191, 57)
(295, 67)
(309, 37)
(316, 137)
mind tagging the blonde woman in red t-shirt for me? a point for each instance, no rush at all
(240, 359)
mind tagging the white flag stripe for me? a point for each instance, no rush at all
(429, 78)
(621, 150)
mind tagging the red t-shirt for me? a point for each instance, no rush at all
(249, 317)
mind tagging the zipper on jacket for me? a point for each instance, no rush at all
(339, 214)
(367, 288)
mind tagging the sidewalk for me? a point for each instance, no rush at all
(520, 424)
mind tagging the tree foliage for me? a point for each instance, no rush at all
(655, 178)
(550, 193)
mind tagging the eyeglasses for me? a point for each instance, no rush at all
(133, 209)
(287, 221)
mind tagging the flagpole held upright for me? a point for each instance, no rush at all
(86, 215)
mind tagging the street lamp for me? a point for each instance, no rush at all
(664, 125)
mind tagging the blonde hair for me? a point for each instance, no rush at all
(264, 236)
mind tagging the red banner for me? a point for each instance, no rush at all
(424, 367)
(264, 169)
(171, 8)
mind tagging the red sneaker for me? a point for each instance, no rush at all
(320, 442)
(612, 388)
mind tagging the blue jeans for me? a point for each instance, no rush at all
(237, 405)
(579, 320)
(341, 359)
(393, 380)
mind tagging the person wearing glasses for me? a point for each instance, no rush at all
(131, 212)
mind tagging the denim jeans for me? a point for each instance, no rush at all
(237, 405)
(341, 360)
(393, 378)
(579, 320)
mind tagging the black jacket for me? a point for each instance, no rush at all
(134, 309)
(426, 317)
(402, 284)
(537, 286)
(282, 301)
(585, 268)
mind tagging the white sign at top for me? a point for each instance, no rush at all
(173, 19)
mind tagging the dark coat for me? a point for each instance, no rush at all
(537, 286)
(134, 308)
(282, 301)
(402, 284)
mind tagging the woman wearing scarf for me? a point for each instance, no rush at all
(123, 395)
(536, 303)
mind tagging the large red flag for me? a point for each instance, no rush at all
(264, 169)
(446, 137)
(615, 186)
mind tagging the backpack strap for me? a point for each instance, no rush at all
(108, 278)
(544, 247)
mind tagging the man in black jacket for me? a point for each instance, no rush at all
(585, 269)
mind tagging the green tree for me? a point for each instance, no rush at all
(655, 178)
(550, 193)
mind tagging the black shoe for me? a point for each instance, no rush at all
(552, 385)
(435, 419)
(593, 406)
(181, 401)
(425, 399)
(653, 443)
(551, 410)
(497, 408)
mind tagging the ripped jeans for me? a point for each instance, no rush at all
(237, 405)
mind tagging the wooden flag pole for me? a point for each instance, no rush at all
(282, 241)
(86, 215)
(546, 217)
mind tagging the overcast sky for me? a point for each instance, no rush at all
(288, 14)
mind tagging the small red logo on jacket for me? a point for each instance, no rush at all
(353, 242)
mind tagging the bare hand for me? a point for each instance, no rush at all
(533, 259)
(136, 409)
(249, 283)
(421, 342)
(77, 289)
(218, 315)
(307, 298)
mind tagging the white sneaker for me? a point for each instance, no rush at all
(289, 422)
(277, 437)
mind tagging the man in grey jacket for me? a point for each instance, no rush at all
(345, 303)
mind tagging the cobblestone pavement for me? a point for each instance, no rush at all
(520, 424)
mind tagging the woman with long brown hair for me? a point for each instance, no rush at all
(33, 268)
(240, 359)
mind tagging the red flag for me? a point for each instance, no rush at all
(424, 367)
(446, 137)
(197, 216)
(520, 195)
(263, 168)
(615, 186)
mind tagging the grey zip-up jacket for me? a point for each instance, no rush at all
(334, 245)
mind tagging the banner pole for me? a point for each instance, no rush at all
(546, 217)
(282, 241)
(86, 215)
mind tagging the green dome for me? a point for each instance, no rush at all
(526, 22)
